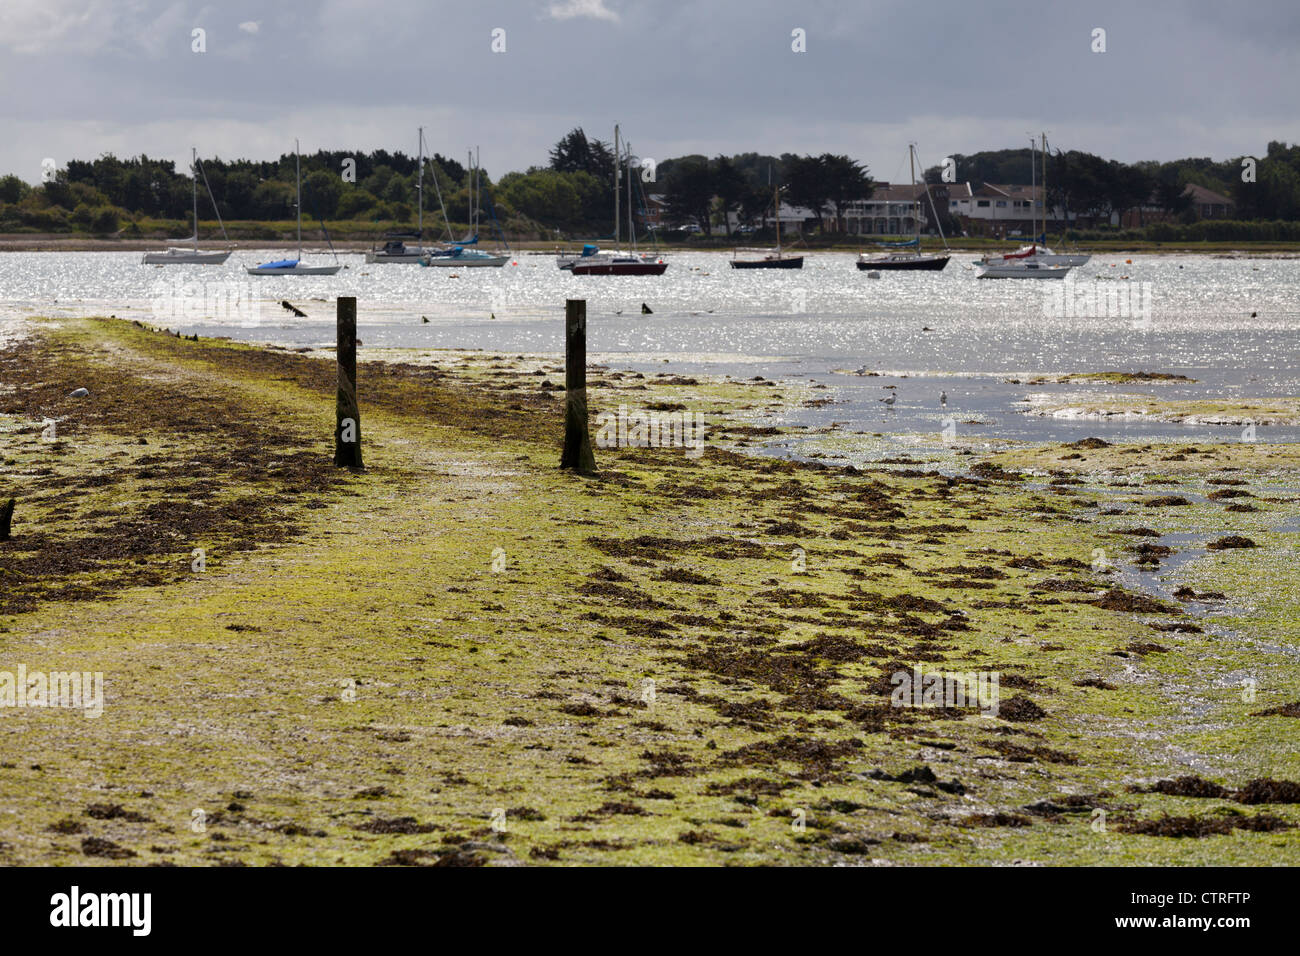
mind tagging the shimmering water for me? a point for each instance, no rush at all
(1230, 324)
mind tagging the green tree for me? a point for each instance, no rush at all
(808, 185)
(688, 193)
(846, 181)
(575, 153)
(1126, 187)
(355, 203)
(104, 221)
(13, 189)
(729, 186)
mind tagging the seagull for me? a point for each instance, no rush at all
(943, 398)
(889, 401)
(861, 371)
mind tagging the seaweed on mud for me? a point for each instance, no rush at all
(1230, 541)
(1117, 599)
(1020, 709)
(997, 819)
(751, 786)
(114, 811)
(784, 673)
(1268, 790)
(819, 756)
(842, 650)
(151, 544)
(1020, 753)
(1189, 786)
(1282, 710)
(99, 846)
(1179, 827)
(388, 825)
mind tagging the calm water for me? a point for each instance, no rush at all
(1231, 324)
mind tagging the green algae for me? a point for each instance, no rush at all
(677, 662)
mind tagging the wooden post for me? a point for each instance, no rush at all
(347, 414)
(6, 516)
(577, 439)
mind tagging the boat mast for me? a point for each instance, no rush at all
(194, 182)
(616, 173)
(1033, 196)
(631, 223)
(419, 189)
(916, 215)
(1043, 153)
(297, 167)
(776, 210)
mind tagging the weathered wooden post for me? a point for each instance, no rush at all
(347, 414)
(577, 439)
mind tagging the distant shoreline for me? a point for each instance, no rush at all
(23, 242)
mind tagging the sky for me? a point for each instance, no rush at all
(80, 78)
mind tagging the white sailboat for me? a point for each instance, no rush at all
(1030, 262)
(614, 262)
(395, 250)
(294, 267)
(179, 255)
(458, 254)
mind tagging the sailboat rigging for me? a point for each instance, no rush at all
(282, 267)
(175, 255)
(771, 260)
(614, 262)
(913, 259)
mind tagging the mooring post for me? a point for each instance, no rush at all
(347, 414)
(577, 440)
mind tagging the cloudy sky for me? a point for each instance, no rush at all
(1194, 78)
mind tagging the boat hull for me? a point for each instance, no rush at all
(185, 258)
(783, 262)
(919, 264)
(299, 270)
(619, 269)
(410, 258)
(447, 262)
(1028, 271)
(1054, 259)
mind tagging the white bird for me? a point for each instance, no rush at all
(943, 398)
(861, 371)
(889, 400)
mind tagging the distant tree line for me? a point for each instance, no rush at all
(1087, 184)
(572, 194)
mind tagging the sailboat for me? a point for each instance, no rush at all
(457, 253)
(176, 255)
(614, 262)
(1029, 262)
(772, 260)
(395, 249)
(910, 258)
(295, 267)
